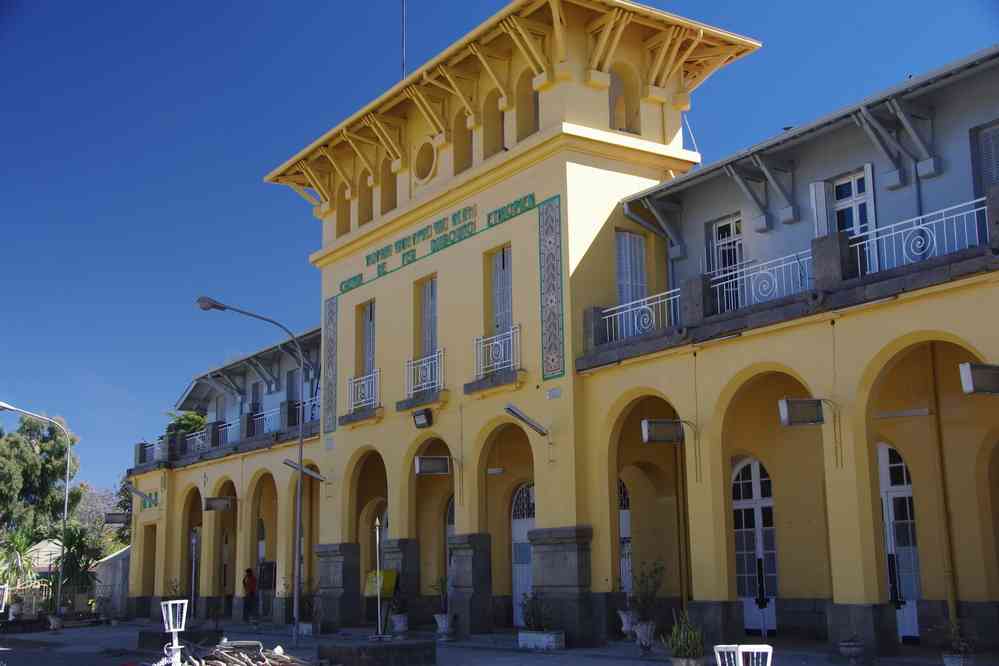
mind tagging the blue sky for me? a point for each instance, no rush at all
(134, 137)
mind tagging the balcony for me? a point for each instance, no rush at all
(363, 399)
(424, 381)
(838, 271)
(497, 361)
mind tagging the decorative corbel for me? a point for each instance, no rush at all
(451, 87)
(227, 388)
(386, 140)
(353, 140)
(299, 190)
(427, 110)
(877, 134)
(522, 39)
(718, 58)
(928, 165)
(760, 222)
(315, 181)
(559, 28)
(504, 97)
(328, 154)
(659, 208)
(788, 212)
(264, 373)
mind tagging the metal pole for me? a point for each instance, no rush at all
(403, 38)
(378, 572)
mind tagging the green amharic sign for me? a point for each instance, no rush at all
(441, 234)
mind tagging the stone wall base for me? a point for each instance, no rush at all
(470, 602)
(979, 620)
(339, 566)
(206, 608)
(502, 611)
(238, 604)
(805, 618)
(138, 607)
(873, 625)
(721, 621)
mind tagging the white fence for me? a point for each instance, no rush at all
(311, 408)
(642, 316)
(425, 374)
(920, 238)
(228, 432)
(497, 352)
(753, 283)
(266, 422)
(198, 441)
(362, 391)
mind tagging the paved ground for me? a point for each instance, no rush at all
(115, 646)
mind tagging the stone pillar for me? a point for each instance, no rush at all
(695, 301)
(289, 416)
(339, 585)
(560, 574)
(238, 604)
(245, 426)
(721, 622)
(594, 331)
(832, 261)
(471, 598)
(403, 555)
(874, 625)
(992, 211)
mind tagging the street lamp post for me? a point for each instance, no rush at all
(65, 503)
(206, 303)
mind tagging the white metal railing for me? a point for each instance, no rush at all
(311, 408)
(919, 238)
(723, 254)
(266, 422)
(197, 441)
(761, 282)
(425, 374)
(642, 316)
(161, 450)
(497, 352)
(362, 391)
(228, 432)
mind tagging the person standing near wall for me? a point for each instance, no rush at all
(250, 593)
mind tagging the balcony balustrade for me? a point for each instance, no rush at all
(425, 374)
(198, 441)
(263, 423)
(497, 352)
(751, 283)
(363, 392)
(920, 238)
(227, 433)
(642, 316)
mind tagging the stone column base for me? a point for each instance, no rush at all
(560, 574)
(403, 555)
(283, 609)
(339, 585)
(470, 602)
(721, 622)
(207, 608)
(873, 625)
(238, 604)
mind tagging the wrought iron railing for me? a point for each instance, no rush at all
(262, 423)
(920, 238)
(228, 433)
(311, 408)
(754, 283)
(425, 374)
(198, 441)
(642, 316)
(362, 392)
(497, 352)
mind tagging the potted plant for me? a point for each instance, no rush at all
(646, 587)
(960, 650)
(443, 619)
(685, 641)
(398, 616)
(538, 633)
(851, 648)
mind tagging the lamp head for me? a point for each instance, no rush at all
(206, 303)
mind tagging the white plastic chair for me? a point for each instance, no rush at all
(755, 655)
(727, 655)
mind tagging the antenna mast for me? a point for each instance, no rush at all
(403, 38)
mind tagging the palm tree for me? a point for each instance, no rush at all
(16, 567)
(82, 550)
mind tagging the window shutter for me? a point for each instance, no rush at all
(988, 158)
(822, 196)
(430, 316)
(502, 292)
(631, 280)
(369, 338)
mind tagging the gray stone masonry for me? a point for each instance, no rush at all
(695, 301)
(721, 621)
(339, 584)
(593, 330)
(470, 600)
(560, 574)
(992, 206)
(492, 380)
(833, 262)
(873, 625)
(403, 555)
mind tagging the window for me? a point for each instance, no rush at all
(256, 396)
(389, 192)
(985, 157)
(368, 338)
(725, 250)
(631, 280)
(365, 198)
(220, 407)
(528, 106)
(428, 316)
(294, 385)
(492, 125)
(852, 203)
(461, 142)
(502, 291)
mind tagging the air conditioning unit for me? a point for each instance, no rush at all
(433, 465)
(220, 503)
(662, 431)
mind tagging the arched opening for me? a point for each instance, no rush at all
(448, 533)
(461, 142)
(992, 492)
(647, 512)
(190, 572)
(623, 105)
(777, 508)
(225, 549)
(434, 493)
(310, 533)
(507, 504)
(342, 211)
(371, 503)
(365, 198)
(492, 125)
(528, 106)
(926, 447)
(263, 554)
(389, 191)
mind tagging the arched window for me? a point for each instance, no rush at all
(342, 211)
(755, 543)
(623, 106)
(462, 142)
(389, 198)
(492, 125)
(528, 107)
(901, 549)
(365, 199)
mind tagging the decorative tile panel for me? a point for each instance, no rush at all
(552, 319)
(329, 364)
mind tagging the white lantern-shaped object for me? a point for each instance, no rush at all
(174, 615)
(3, 598)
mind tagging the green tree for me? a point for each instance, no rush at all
(186, 422)
(32, 469)
(82, 550)
(16, 567)
(123, 503)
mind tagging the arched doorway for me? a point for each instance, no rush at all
(225, 549)
(901, 549)
(370, 489)
(432, 500)
(190, 573)
(528, 106)
(755, 545)
(521, 523)
(263, 560)
(624, 535)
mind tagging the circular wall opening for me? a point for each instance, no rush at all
(423, 165)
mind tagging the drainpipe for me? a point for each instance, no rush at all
(948, 537)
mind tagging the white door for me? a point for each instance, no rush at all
(725, 257)
(631, 280)
(901, 551)
(624, 534)
(521, 522)
(755, 545)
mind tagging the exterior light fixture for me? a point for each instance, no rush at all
(979, 378)
(206, 303)
(664, 431)
(516, 413)
(495, 471)
(174, 621)
(3, 599)
(423, 418)
(433, 465)
(800, 411)
(220, 503)
(312, 474)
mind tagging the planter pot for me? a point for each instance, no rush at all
(628, 620)
(852, 650)
(958, 659)
(541, 640)
(645, 633)
(400, 623)
(443, 621)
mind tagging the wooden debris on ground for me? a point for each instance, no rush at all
(241, 653)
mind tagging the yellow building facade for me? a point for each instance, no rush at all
(483, 404)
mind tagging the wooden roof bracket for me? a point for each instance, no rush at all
(504, 98)
(425, 109)
(787, 213)
(761, 222)
(353, 140)
(677, 65)
(678, 250)
(877, 135)
(314, 180)
(386, 140)
(928, 165)
(328, 154)
(525, 44)
(264, 373)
